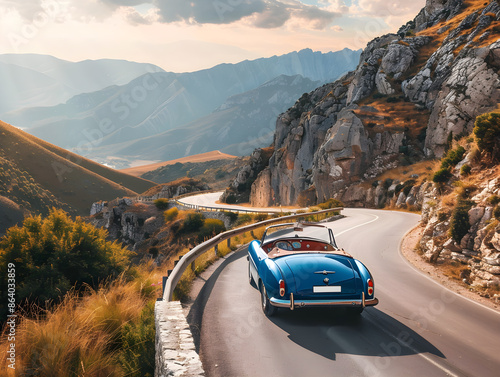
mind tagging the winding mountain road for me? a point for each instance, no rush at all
(419, 328)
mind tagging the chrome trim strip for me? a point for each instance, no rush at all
(292, 303)
(301, 303)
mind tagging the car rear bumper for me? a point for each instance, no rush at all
(292, 303)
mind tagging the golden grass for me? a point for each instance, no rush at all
(70, 178)
(397, 116)
(423, 169)
(80, 337)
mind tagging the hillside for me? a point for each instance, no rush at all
(137, 171)
(30, 80)
(158, 102)
(11, 214)
(412, 93)
(37, 175)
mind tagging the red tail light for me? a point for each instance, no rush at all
(370, 287)
(282, 288)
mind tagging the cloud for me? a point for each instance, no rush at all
(258, 13)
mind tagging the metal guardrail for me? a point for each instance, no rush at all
(197, 251)
(229, 209)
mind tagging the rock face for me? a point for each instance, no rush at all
(239, 191)
(342, 133)
(127, 220)
(479, 248)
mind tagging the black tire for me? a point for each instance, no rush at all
(250, 278)
(357, 311)
(267, 308)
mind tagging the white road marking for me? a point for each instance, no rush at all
(357, 226)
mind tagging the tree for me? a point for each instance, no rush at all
(55, 254)
(487, 132)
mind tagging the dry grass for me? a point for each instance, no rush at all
(70, 178)
(453, 269)
(81, 336)
(423, 169)
(397, 117)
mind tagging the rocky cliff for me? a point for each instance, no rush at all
(411, 92)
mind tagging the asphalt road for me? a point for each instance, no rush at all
(418, 329)
(210, 200)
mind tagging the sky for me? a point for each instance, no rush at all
(188, 35)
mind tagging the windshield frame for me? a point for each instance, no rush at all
(305, 233)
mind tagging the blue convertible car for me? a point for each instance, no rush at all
(300, 265)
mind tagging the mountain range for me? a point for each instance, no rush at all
(110, 121)
(31, 80)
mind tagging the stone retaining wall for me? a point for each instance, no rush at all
(175, 350)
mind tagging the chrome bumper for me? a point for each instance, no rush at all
(294, 303)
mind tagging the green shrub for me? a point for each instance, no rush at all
(331, 203)
(487, 132)
(260, 217)
(170, 214)
(244, 218)
(137, 356)
(496, 212)
(210, 228)
(193, 222)
(55, 254)
(453, 157)
(161, 204)
(441, 176)
(442, 216)
(232, 216)
(459, 224)
(465, 170)
(494, 200)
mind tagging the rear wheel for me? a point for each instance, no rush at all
(250, 278)
(357, 311)
(267, 308)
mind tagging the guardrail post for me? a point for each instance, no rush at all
(216, 249)
(193, 267)
(229, 243)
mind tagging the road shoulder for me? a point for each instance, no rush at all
(407, 249)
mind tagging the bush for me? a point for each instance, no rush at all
(393, 99)
(441, 176)
(55, 254)
(494, 200)
(161, 204)
(210, 228)
(453, 157)
(487, 132)
(193, 222)
(260, 217)
(170, 214)
(233, 216)
(242, 219)
(331, 203)
(496, 212)
(459, 224)
(465, 170)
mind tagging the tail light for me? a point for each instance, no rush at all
(282, 288)
(370, 287)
